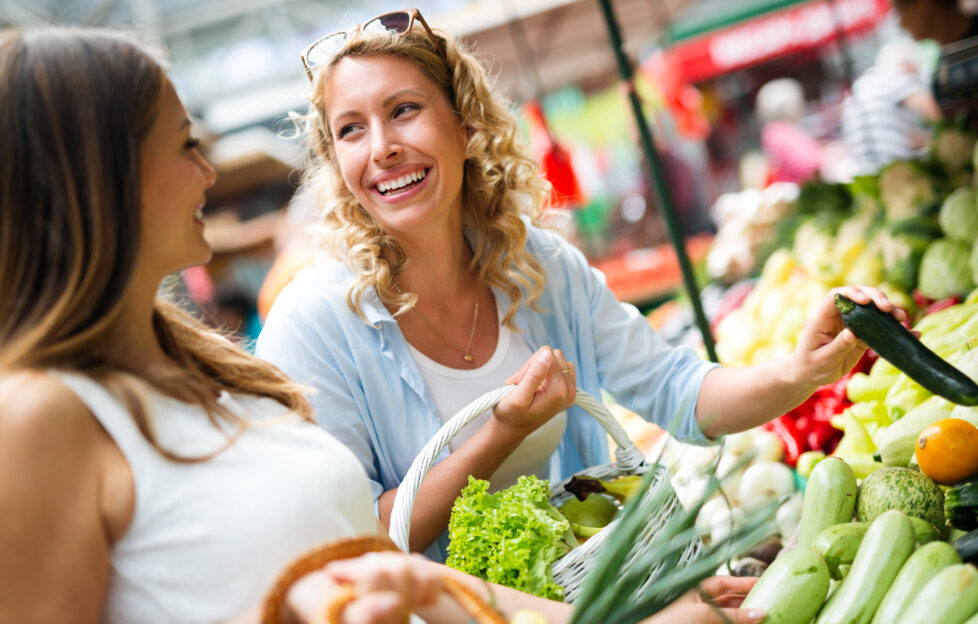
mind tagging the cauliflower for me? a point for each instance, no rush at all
(906, 189)
(959, 215)
(945, 270)
(953, 148)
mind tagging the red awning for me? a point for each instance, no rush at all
(784, 32)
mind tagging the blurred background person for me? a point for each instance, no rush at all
(889, 112)
(793, 154)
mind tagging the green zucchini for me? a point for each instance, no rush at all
(894, 343)
(838, 545)
(792, 589)
(830, 498)
(961, 505)
(887, 545)
(972, 620)
(949, 597)
(921, 567)
(967, 547)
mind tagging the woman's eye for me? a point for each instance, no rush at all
(407, 107)
(345, 131)
(192, 143)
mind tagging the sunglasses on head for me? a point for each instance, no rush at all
(325, 48)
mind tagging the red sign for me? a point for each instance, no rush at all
(773, 35)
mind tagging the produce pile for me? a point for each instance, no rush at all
(892, 550)
(910, 230)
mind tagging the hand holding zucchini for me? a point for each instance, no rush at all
(896, 344)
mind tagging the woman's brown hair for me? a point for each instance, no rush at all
(75, 106)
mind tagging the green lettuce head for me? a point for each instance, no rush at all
(945, 270)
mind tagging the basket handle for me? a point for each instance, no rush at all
(273, 607)
(627, 454)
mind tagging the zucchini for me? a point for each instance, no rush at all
(967, 547)
(961, 505)
(894, 343)
(888, 543)
(921, 567)
(792, 589)
(838, 545)
(830, 498)
(950, 597)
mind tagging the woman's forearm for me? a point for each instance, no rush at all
(480, 457)
(735, 399)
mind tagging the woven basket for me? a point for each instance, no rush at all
(572, 568)
(273, 607)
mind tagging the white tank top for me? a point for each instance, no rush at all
(208, 538)
(453, 388)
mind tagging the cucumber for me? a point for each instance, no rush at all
(922, 566)
(967, 547)
(830, 498)
(894, 343)
(888, 543)
(949, 597)
(972, 620)
(792, 589)
(838, 545)
(961, 504)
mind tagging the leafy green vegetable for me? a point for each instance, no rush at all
(909, 188)
(945, 270)
(952, 147)
(511, 537)
(959, 215)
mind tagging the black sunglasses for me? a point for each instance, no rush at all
(325, 48)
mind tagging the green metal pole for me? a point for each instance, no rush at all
(661, 188)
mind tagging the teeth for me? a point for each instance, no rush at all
(401, 182)
(199, 214)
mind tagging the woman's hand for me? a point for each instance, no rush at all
(717, 601)
(826, 348)
(545, 386)
(386, 587)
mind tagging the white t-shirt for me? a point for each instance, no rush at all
(453, 388)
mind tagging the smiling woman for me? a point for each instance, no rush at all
(444, 284)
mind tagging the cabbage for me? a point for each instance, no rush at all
(945, 270)
(511, 537)
(906, 189)
(959, 215)
(953, 148)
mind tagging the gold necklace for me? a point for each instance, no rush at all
(466, 354)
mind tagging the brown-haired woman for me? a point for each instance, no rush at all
(149, 470)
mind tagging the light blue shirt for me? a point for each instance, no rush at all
(370, 393)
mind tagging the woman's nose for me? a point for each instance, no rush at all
(384, 145)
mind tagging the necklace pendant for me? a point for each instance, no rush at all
(467, 357)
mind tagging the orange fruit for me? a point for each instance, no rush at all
(947, 451)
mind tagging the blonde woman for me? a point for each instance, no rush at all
(442, 285)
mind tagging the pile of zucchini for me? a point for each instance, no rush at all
(892, 569)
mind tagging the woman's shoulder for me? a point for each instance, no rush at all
(36, 408)
(320, 288)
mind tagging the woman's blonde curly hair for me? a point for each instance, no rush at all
(500, 182)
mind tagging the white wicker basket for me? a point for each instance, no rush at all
(570, 570)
